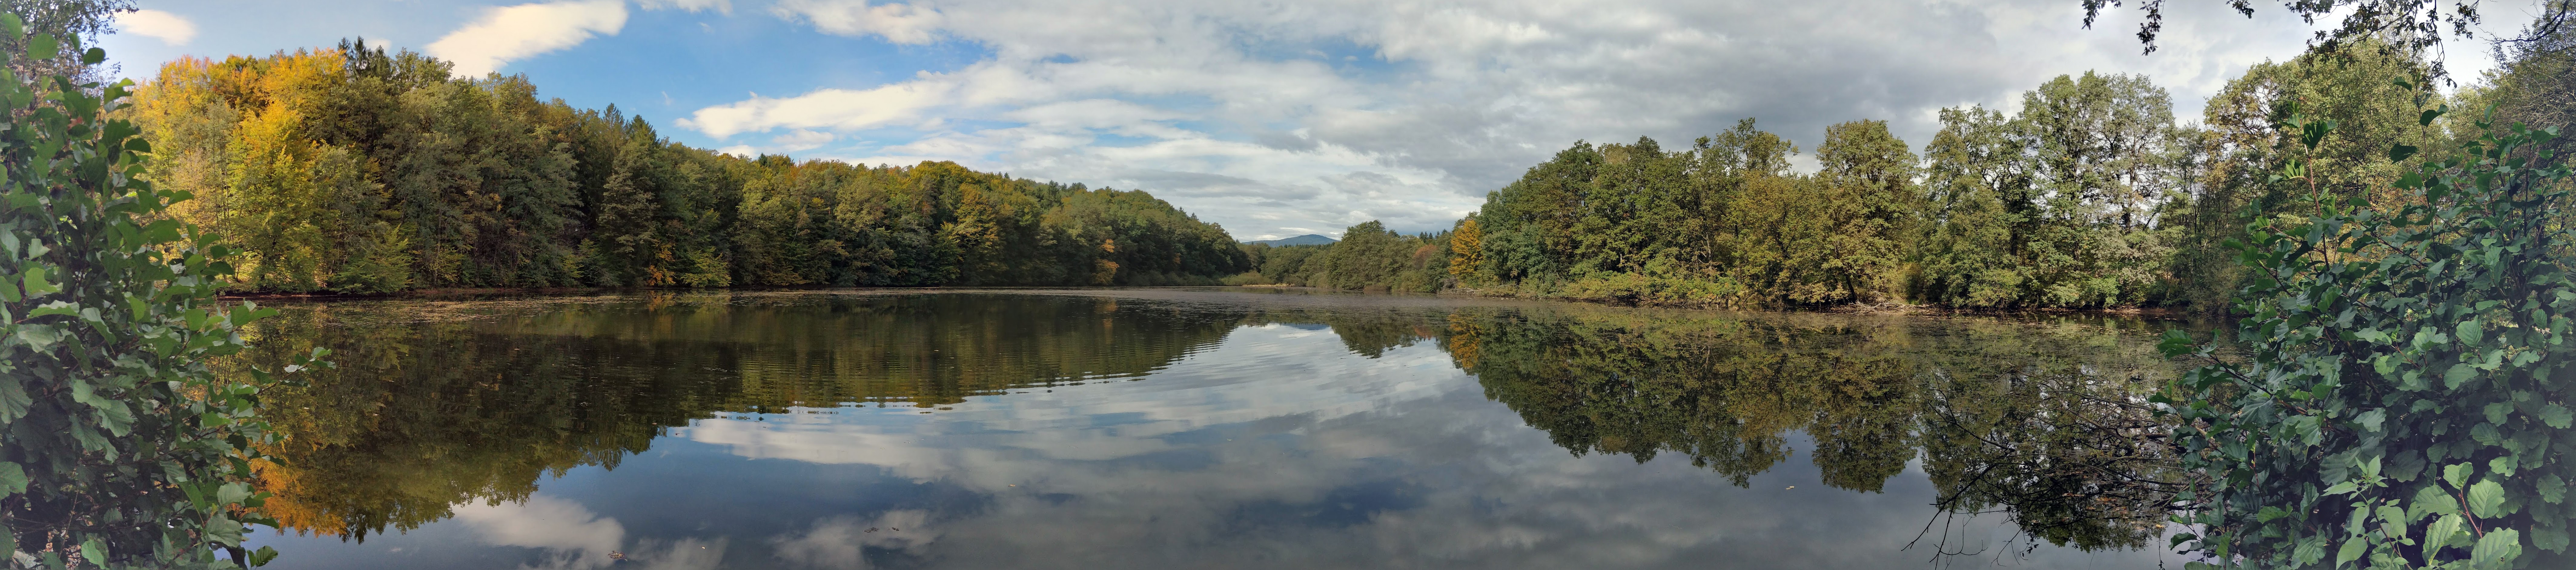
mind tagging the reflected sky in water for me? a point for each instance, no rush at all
(1274, 436)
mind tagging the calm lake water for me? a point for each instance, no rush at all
(1204, 428)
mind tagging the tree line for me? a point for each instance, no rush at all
(2090, 195)
(360, 171)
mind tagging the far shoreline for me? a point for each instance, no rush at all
(1889, 308)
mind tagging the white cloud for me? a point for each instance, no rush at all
(569, 536)
(839, 543)
(905, 23)
(1279, 119)
(827, 108)
(506, 34)
(724, 6)
(573, 536)
(167, 27)
(800, 139)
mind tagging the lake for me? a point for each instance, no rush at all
(1204, 428)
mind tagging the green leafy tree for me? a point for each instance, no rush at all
(2402, 397)
(121, 448)
(1873, 208)
(2243, 144)
(2060, 205)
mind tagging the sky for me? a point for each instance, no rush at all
(1271, 118)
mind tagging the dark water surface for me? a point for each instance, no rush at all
(1204, 428)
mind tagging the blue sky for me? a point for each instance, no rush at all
(1274, 119)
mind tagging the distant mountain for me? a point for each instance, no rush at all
(1308, 239)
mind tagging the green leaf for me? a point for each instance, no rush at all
(94, 551)
(43, 46)
(232, 494)
(2309, 551)
(262, 556)
(13, 477)
(2339, 488)
(65, 308)
(2457, 474)
(223, 530)
(2351, 551)
(2442, 530)
(2399, 153)
(2486, 499)
(35, 283)
(39, 337)
(2497, 548)
(2471, 332)
(2459, 375)
(2550, 538)
(2430, 500)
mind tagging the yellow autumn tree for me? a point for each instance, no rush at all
(1466, 248)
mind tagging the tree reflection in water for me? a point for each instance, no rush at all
(434, 405)
(2045, 421)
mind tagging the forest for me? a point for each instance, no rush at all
(354, 170)
(2092, 195)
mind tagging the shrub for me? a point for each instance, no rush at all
(120, 449)
(2402, 401)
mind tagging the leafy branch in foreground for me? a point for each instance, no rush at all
(2402, 399)
(118, 448)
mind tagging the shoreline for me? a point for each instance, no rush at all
(1852, 308)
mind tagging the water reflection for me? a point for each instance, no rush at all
(2045, 421)
(1193, 429)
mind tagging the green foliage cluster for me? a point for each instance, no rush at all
(1369, 257)
(2060, 205)
(121, 449)
(2089, 196)
(1724, 222)
(2242, 144)
(2402, 397)
(355, 170)
(2054, 208)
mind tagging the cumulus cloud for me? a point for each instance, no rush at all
(828, 108)
(167, 27)
(903, 23)
(505, 34)
(1450, 100)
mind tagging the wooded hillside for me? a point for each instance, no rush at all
(355, 170)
